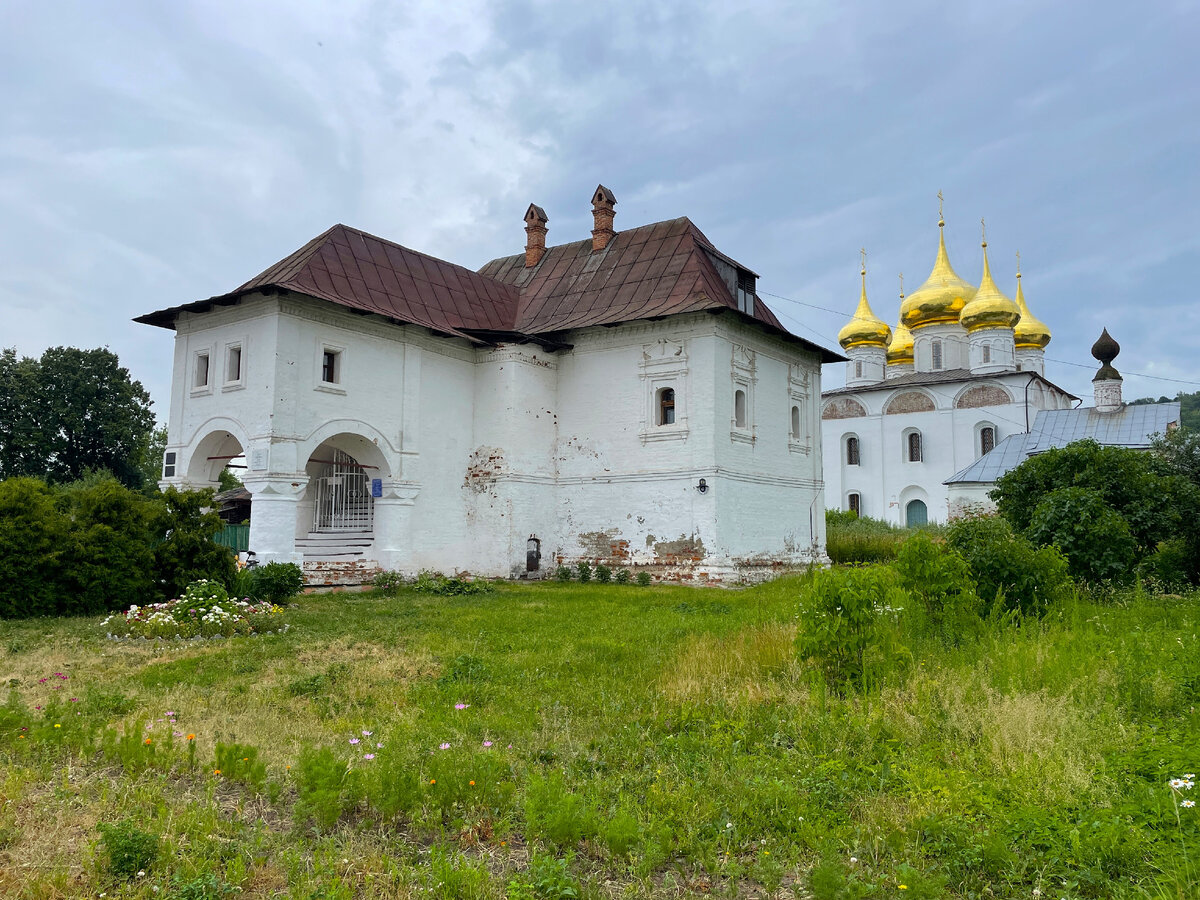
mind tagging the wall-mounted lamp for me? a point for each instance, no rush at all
(702, 487)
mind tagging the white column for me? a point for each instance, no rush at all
(393, 525)
(274, 503)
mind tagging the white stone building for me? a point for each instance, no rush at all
(962, 371)
(626, 399)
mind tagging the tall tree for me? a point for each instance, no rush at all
(71, 411)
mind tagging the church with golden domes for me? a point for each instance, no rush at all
(962, 370)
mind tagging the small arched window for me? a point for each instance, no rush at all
(914, 446)
(854, 503)
(795, 423)
(739, 409)
(666, 406)
(987, 353)
(987, 439)
(935, 349)
(852, 451)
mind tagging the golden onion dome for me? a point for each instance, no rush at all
(990, 307)
(943, 295)
(900, 350)
(1030, 333)
(865, 329)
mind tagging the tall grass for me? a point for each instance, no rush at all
(850, 538)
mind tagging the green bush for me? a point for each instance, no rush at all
(622, 576)
(1007, 569)
(276, 582)
(240, 762)
(202, 887)
(389, 583)
(939, 577)
(603, 574)
(187, 551)
(848, 623)
(563, 573)
(1169, 567)
(643, 578)
(127, 849)
(437, 583)
(326, 787)
(33, 538)
(585, 572)
(1094, 538)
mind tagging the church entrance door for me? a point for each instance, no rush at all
(343, 499)
(916, 513)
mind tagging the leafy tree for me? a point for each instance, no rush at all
(1007, 567)
(1189, 407)
(71, 411)
(32, 539)
(1094, 537)
(150, 458)
(187, 552)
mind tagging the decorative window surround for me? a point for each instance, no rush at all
(235, 366)
(743, 368)
(664, 366)
(202, 372)
(336, 385)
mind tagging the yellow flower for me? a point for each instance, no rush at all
(56, 725)
(904, 887)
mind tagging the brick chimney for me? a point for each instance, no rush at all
(535, 235)
(603, 202)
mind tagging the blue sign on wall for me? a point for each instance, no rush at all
(376, 487)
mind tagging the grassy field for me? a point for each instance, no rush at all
(566, 740)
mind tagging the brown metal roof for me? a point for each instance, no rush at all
(657, 270)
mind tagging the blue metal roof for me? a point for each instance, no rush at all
(1130, 426)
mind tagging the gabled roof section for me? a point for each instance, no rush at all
(649, 272)
(363, 272)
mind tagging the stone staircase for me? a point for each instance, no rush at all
(337, 558)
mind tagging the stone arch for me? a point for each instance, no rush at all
(843, 408)
(222, 440)
(980, 395)
(909, 402)
(365, 443)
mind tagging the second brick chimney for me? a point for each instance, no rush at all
(535, 234)
(603, 202)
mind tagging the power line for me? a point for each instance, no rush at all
(839, 312)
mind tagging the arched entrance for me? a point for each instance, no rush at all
(212, 454)
(916, 513)
(341, 492)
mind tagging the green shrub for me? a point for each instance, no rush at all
(240, 762)
(847, 623)
(389, 583)
(453, 876)
(437, 583)
(550, 878)
(187, 551)
(127, 849)
(556, 815)
(939, 577)
(202, 887)
(563, 573)
(643, 578)
(585, 572)
(33, 538)
(603, 574)
(1005, 565)
(1169, 567)
(1094, 538)
(850, 538)
(276, 582)
(622, 576)
(620, 832)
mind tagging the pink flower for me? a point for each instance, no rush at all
(366, 734)
(74, 700)
(487, 743)
(443, 746)
(353, 740)
(379, 746)
(461, 705)
(368, 756)
(170, 713)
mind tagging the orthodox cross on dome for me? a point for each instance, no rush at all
(901, 285)
(983, 232)
(941, 218)
(1018, 263)
(863, 252)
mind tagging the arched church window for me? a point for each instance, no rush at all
(852, 451)
(854, 503)
(987, 439)
(739, 409)
(795, 423)
(666, 406)
(914, 446)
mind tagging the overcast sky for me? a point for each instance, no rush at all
(156, 153)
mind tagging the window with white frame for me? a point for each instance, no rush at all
(739, 408)
(200, 370)
(987, 439)
(233, 364)
(666, 406)
(331, 366)
(169, 464)
(854, 503)
(913, 446)
(987, 353)
(852, 451)
(663, 371)
(796, 423)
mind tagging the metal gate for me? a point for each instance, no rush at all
(343, 496)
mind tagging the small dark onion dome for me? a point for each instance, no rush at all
(1105, 350)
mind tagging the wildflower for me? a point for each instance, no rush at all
(245, 759)
(728, 824)
(56, 725)
(433, 781)
(354, 740)
(1176, 783)
(216, 771)
(368, 756)
(487, 743)
(461, 705)
(443, 746)
(74, 700)
(141, 872)
(379, 746)
(191, 737)
(367, 734)
(854, 859)
(503, 843)
(904, 887)
(148, 741)
(473, 785)
(1187, 804)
